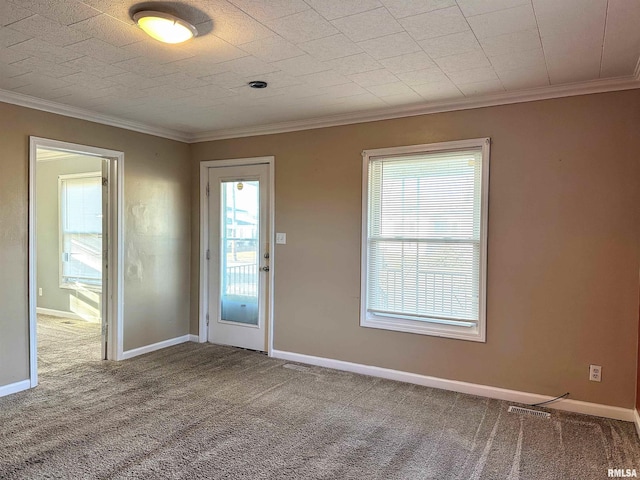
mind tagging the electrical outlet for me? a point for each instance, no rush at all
(40, 292)
(595, 373)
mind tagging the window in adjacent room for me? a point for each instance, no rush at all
(81, 230)
(424, 256)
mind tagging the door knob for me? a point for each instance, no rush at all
(265, 269)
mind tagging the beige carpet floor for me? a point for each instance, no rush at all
(205, 411)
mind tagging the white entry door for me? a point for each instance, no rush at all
(239, 256)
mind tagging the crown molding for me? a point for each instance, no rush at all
(506, 98)
(82, 114)
(530, 95)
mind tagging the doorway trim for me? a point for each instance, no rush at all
(203, 306)
(115, 248)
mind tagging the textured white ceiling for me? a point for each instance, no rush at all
(320, 57)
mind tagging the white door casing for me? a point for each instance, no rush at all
(113, 280)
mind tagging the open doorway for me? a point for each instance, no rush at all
(69, 249)
(75, 255)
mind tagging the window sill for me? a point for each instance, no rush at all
(472, 334)
(80, 286)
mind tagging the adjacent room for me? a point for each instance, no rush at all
(320, 239)
(69, 258)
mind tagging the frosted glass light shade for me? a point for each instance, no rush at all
(165, 27)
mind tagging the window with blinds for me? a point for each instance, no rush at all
(81, 230)
(424, 251)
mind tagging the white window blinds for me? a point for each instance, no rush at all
(424, 237)
(81, 229)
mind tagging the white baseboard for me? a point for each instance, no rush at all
(194, 338)
(15, 387)
(577, 406)
(58, 313)
(156, 346)
(636, 420)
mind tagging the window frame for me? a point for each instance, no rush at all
(62, 283)
(370, 320)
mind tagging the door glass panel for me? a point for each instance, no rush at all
(240, 252)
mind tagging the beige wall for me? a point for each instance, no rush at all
(48, 238)
(564, 230)
(157, 237)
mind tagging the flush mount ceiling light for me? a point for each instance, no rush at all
(165, 27)
(258, 84)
